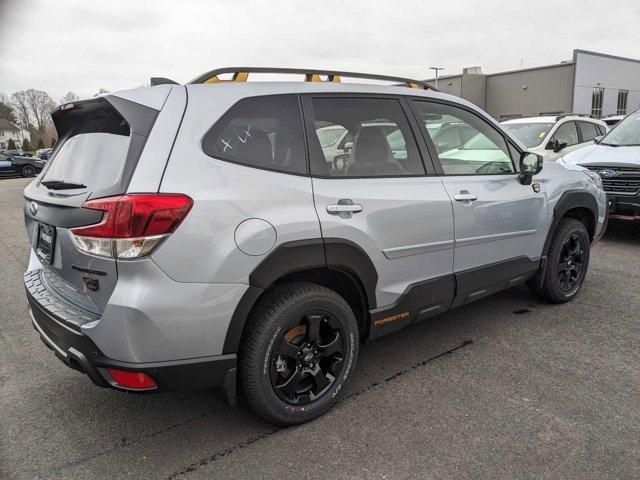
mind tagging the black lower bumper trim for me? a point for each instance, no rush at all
(624, 207)
(80, 353)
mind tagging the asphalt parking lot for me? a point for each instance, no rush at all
(504, 388)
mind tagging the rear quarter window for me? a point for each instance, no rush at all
(262, 132)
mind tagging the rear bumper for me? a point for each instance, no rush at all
(79, 352)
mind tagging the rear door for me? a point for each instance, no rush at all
(386, 203)
(587, 131)
(100, 142)
(500, 224)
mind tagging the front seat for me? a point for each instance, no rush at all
(372, 155)
(256, 149)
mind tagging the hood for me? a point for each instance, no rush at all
(604, 155)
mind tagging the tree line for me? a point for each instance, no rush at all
(29, 110)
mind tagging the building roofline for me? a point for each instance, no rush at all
(529, 69)
(605, 55)
(505, 72)
(541, 67)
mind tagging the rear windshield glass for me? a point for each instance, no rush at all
(92, 159)
(94, 144)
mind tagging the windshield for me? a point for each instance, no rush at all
(531, 134)
(626, 133)
(329, 136)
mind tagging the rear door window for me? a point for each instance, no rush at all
(262, 132)
(380, 140)
(588, 130)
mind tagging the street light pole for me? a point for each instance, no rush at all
(437, 69)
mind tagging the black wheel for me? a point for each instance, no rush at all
(567, 263)
(28, 171)
(297, 352)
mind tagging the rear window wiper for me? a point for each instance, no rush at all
(61, 185)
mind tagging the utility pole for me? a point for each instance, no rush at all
(437, 69)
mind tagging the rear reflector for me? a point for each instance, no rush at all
(132, 226)
(132, 380)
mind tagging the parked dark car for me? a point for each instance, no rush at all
(15, 153)
(43, 153)
(25, 166)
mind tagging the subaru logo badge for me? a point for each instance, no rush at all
(33, 208)
(606, 173)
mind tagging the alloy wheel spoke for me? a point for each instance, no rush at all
(290, 384)
(336, 365)
(331, 347)
(319, 378)
(313, 331)
(288, 349)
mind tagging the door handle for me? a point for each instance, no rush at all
(335, 209)
(345, 208)
(465, 196)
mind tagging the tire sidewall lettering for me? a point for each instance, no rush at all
(267, 355)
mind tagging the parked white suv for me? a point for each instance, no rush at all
(195, 235)
(555, 136)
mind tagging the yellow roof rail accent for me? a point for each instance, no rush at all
(237, 77)
(241, 74)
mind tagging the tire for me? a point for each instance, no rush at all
(277, 353)
(564, 276)
(28, 171)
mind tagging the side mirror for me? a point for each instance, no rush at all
(347, 146)
(530, 165)
(560, 145)
(598, 139)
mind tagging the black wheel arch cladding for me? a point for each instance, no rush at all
(297, 256)
(570, 200)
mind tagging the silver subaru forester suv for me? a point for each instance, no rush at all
(197, 235)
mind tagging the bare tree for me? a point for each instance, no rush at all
(21, 110)
(101, 91)
(69, 97)
(33, 106)
(6, 111)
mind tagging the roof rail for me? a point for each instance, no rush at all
(563, 115)
(241, 74)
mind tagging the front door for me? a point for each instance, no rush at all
(500, 224)
(566, 132)
(5, 163)
(383, 202)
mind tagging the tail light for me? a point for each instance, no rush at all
(132, 226)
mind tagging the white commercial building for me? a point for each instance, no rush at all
(591, 83)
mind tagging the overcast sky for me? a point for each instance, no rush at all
(85, 45)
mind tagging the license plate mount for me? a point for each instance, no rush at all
(46, 242)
